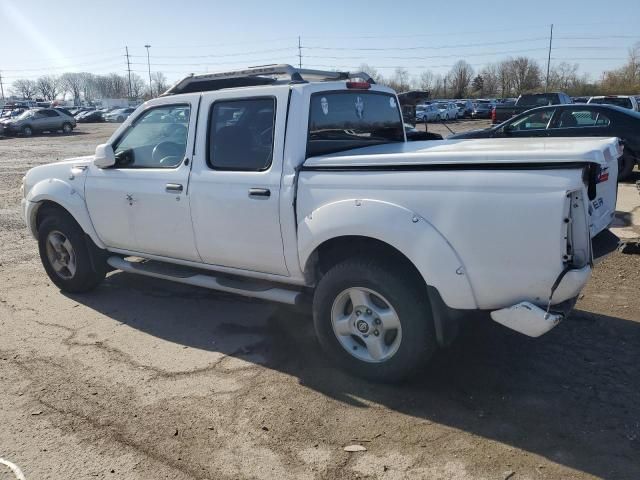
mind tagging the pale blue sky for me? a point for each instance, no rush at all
(45, 36)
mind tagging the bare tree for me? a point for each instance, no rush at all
(627, 78)
(48, 87)
(504, 77)
(159, 82)
(372, 72)
(563, 76)
(490, 80)
(400, 81)
(138, 86)
(526, 74)
(426, 80)
(72, 83)
(24, 88)
(459, 78)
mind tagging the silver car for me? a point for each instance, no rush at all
(39, 120)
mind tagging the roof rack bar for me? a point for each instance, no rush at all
(262, 74)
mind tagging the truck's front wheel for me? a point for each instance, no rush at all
(66, 256)
(374, 320)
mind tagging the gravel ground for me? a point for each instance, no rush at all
(146, 379)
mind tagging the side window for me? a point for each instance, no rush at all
(157, 139)
(581, 118)
(241, 134)
(534, 121)
(602, 120)
(49, 113)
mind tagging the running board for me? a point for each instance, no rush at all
(193, 276)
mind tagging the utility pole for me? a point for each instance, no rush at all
(149, 65)
(546, 85)
(299, 52)
(128, 68)
(1, 86)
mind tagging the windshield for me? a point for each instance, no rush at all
(26, 114)
(346, 119)
(618, 101)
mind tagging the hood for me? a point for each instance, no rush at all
(473, 151)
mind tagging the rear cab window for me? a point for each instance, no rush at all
(343, 120)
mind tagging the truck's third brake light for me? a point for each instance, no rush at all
(359, 85)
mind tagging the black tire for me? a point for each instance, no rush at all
(403, 292)
(27, 131)
(67, 128)
(90, 270)
(625, 166)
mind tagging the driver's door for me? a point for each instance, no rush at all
(149, 183)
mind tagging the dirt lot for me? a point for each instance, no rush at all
(147, 379)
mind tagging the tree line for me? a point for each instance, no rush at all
(89, 86)
(514, 76)
(507, 78)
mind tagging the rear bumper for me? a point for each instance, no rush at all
(533, 320)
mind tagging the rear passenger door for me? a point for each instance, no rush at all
(235, 182)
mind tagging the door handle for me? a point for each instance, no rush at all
(259, 192)
(173, 187)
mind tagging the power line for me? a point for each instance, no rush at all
(431, 47)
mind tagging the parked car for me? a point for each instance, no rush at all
(39, 120)
(91, 117)
(482, 108)
(624, 101)
(305, 197)
(465, 108)
(527, 102)
(427, 113)
(573, 120)
(580, 99)
(119, 115)
(446, 111)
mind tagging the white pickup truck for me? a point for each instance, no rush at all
(295, 185)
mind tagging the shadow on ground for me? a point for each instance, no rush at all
(572, 396)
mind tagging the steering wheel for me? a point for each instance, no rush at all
(167, 152)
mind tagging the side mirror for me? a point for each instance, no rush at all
(104, 156)
(507, 129)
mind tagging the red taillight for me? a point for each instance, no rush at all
(359, 85)
(493, 115)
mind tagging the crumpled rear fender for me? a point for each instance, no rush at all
(406, 231)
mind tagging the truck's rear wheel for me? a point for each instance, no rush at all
(374, 320)
(65, 254)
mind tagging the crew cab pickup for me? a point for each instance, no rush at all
(298, 186)
(526, 102)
